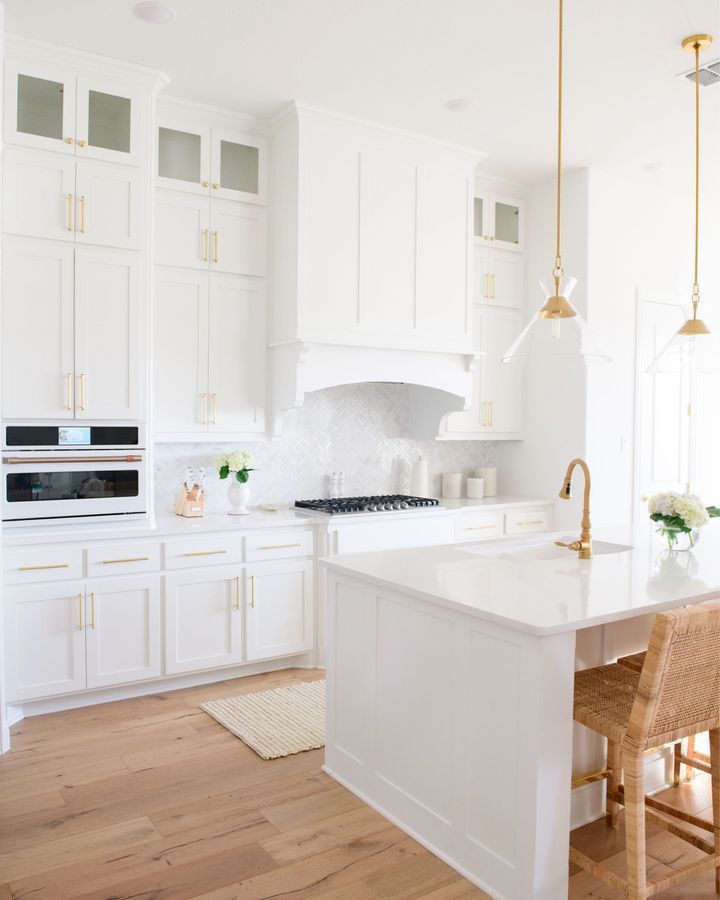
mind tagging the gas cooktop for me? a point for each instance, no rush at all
(381, 503)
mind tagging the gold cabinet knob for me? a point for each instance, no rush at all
(205, 183)
(82, 143)
(68, 140)
(215, 185)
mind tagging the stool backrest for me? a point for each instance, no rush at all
(680, 681)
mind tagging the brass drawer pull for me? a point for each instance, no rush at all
(80, 611)
(109, 562)
(478, 527)
(216, 246)
(42, 568)
(69, 225)
(279, 546)
(237, 592)
(533, 522)
(206, 244)
(92, 610)
(252, 591)
(205, 552)
(82, 214)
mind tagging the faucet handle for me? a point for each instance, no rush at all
(575, 546)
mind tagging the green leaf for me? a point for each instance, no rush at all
(242, 476)
(224, 471)
(713, 512)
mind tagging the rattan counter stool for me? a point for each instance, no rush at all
(675, 695)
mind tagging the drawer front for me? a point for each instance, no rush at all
(205, 550)
(122, 559)
(278, 545)
(31, 565)
(528, 521)
(394, 535)
(476, 526)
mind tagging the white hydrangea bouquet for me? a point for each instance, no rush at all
(239, 463)
(680, 517)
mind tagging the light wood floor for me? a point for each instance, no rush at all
(150, 798)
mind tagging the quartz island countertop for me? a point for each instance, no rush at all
(502, 581)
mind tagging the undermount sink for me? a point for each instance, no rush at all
(540, 551)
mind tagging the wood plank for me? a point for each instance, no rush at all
(315, 808)
(50, 855)
(81, 773)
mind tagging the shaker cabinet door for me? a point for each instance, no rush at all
(108, 205)
(109, 372)
(237, 238)
(180, 355)
(39, 197)
(182, 230)
(278, 609)
(37, 329)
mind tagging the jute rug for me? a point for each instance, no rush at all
(275, 723)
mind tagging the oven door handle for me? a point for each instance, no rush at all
(32, 460)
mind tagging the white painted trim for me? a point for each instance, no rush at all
(212, 116)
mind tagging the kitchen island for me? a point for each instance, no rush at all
(450, 686)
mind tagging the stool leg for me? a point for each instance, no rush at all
(677, 750)
(715, 775)
(633, 765)
(690, 751)
(614, 764)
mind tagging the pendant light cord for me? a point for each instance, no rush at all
(557, 271)
(696, 285)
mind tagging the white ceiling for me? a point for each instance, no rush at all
(398, 61)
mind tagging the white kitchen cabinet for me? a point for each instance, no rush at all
(47, 195)
(499, 221)
(122, 619)
(278, 609)
(44, 640)
(209, 355)
(217, 235)
(496, 410)
(52, 108)
(213, 161)
(498, 277)
(203, 619)
(37, 330)
(71, 332)
(108, 364)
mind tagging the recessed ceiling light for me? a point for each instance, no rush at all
(459, 105)
(154, 12)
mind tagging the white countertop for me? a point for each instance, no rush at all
(169, 525)
(548, 596)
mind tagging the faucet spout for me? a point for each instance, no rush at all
(584, 545)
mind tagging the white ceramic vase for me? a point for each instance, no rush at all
(238, 496)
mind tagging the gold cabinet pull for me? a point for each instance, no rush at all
(216, 186)
(68, 140)
(490, 412)
(205, 408)
(129, 559)
(81, 376)
(216, 246)
(80, 611)
(252, 591)
(204, 552)
(492, 281)
(68, 385)
(484, 412)
(82, 213)
(92, 610)
(206, 245)
(82, 143)
(478, 527)
(43, 568)
(205, 183)
(532, 522)
(237, 592)
(279, 546)
(213, 398)
(69, 225)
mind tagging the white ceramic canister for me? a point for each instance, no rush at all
(475, 488)
(452, 485)
(419, 478)
(489, 476)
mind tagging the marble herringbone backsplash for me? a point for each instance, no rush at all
(355, 429)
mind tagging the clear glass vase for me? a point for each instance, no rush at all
(678, 540)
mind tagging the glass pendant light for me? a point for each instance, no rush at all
(693, 347)
(557, 329)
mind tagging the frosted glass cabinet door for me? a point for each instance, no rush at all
(37, 329)
(238, 167)
(39, 107)
(183, 158)
(108, 122)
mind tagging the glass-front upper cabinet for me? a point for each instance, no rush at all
(218, 162)
(237, 164)
(54, 110)
(183, 157)
(39, 107)
(498, 221)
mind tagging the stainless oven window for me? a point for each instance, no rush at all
(24, 487)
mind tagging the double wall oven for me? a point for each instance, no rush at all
(73, 472)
